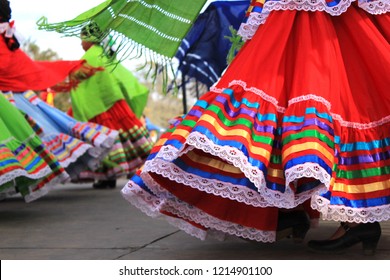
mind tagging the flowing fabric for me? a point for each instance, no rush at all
(131, 147)
(260, 9)
(203, 53)
(157, 25)
(19, 73)
(108, 98)
(99, 93)
(78, 146)
(301, 114)
(30, 165)
(27, 167)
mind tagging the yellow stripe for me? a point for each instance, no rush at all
(366, 188)
(306, 146)
(237, 132)
(276, 173)
(182, 132)
(90, 133)
(217, 164)
(29, 93)
(160, 141)
(68, 150)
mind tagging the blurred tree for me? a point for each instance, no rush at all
(35, 52)
(62, 100)
(169, 97)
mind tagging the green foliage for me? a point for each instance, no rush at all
(62, 101)
(237, 43)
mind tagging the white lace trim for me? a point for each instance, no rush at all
(375, 7)
(162, 165)
(37, 194)
(168, 153)
(183, 210)
(215, 187)
(34, 194)
(9, 176)
(147, 203)
(307, 170)
(150, 205)
(260, 93)
(264, 197)
(97, 152)
(187, 228)
(308, 5)
(360, 126)
(308, 97)
(105, 140)
(248, 29)
(304, 98)
(348, 214)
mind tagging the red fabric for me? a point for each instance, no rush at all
(345, 54)
(18, 72)
(223, 208)
(337, 59)
(119, 116)
(383, 24)
(70, 112)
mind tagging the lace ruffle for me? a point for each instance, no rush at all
(68, 155)
(9, 176)
(249, 28)
(262, 198)
(303, 98)
(348, 214)
(150, 205)
(170, 203)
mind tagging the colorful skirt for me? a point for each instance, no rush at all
(131, 147)
(27, 167)
(78, 146)
(301, 114)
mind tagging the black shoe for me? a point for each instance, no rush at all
(293, 224)
(368, 234)
(105, 184)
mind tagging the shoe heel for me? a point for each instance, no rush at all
(369, 245)
(299, 232)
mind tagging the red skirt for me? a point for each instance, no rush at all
(301, 114)
(130, 149)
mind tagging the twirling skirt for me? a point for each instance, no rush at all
(26, 165)
(301, 114)
(78, 146)
(131, 147)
